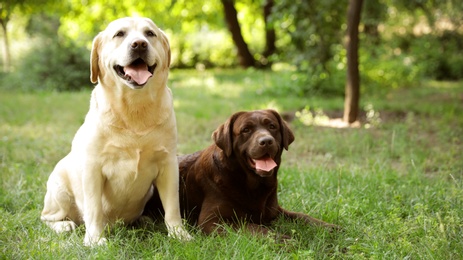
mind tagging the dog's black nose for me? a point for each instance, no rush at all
(139, 45)
(265, 141)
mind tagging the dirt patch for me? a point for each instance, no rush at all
(333, 118)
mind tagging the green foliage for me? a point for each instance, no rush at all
(402, 42)
(384, 70)
(204, 48)
(314, 45)
(315, 28)
(429, 35)
(438, 55)
(177, 18)
(388, 57)
(52, 63)
(59, 67)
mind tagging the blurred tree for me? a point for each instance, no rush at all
(246, 58)
(352, 92)
(231, 16)
(270, 34)
(6, 8)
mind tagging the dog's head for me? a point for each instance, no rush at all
(256, 139)
(130, 51)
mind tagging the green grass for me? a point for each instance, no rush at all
(396, 189)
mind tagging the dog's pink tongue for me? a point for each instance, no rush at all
(138, 73)
(265, 164)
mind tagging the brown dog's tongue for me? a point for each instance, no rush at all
(138, 73)
(266, 164)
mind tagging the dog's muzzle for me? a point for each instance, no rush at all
(139, 71)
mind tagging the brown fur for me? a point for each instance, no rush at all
(219, 184)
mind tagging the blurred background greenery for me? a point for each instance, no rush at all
(395, 184)
(46, 43)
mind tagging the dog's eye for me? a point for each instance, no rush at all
(246, 130)
(119, 34)
(150, 34)
(272, 126)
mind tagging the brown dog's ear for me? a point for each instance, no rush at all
(94, 57)
(286, 133)
(223, 135)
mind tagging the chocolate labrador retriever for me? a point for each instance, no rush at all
(234, 180)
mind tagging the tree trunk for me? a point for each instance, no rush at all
(352, 95)
(6, 47)
(270, 36)
(244, 55)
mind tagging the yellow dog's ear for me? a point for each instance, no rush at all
(166, 45)
(94, 57)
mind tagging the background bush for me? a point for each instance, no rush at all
(438, 56)
(310, 42)
(56, 67)
(52, 62)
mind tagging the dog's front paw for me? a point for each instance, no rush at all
(94, 241)
(180, 233)
(61, 226)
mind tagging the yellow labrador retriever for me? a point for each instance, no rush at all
(128, 142)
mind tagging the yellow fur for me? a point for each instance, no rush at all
(126, 145)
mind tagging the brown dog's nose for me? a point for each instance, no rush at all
(139, 45)
(265, 141)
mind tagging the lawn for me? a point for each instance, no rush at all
(395, 184)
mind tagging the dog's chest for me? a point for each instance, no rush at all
(129, 175)
(133, 164)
